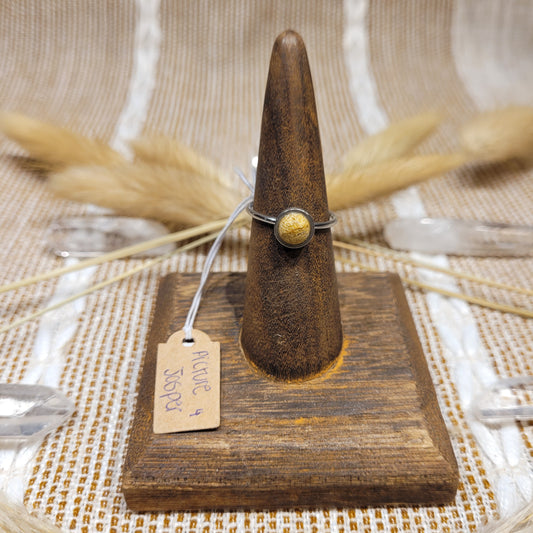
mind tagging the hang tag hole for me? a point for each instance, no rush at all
(188, 342)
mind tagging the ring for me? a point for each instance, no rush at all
(293, 227)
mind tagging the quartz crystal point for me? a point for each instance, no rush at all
(506, 400)
(90, 236)
(459, 237)
(31, 411)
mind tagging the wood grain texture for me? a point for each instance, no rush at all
(366, 432)
(291, 326)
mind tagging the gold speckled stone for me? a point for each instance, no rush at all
(294, 228)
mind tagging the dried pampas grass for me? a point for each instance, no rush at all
(167, 193)
(380, 164)
(353, 187)
(167, 152)
(500, 135)
(397, 140)
(172, 183)
(54, 147)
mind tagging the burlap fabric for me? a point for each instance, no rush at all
(197, 71)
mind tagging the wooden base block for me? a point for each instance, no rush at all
(366, 432)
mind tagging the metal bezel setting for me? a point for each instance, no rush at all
(286, 212)
(275, 221)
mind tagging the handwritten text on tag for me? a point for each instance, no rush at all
(187, 384)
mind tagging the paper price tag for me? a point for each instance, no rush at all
(187, 384)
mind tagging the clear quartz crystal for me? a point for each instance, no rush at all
(507, 399)
(90, 236)
(459, 237)
(519, 521)
(31, 411)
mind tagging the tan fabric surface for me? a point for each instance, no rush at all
(198, 73)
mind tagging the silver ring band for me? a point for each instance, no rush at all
(301, 229)
(272, 220)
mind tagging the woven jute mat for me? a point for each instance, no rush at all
(197, 71)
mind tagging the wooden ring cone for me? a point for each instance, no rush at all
(291, 323)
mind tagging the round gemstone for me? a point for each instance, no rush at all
(294, 228)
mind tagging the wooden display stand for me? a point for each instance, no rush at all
(326, 399)
(368, 432)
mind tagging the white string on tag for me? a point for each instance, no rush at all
(189, 321)
(245, 180)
